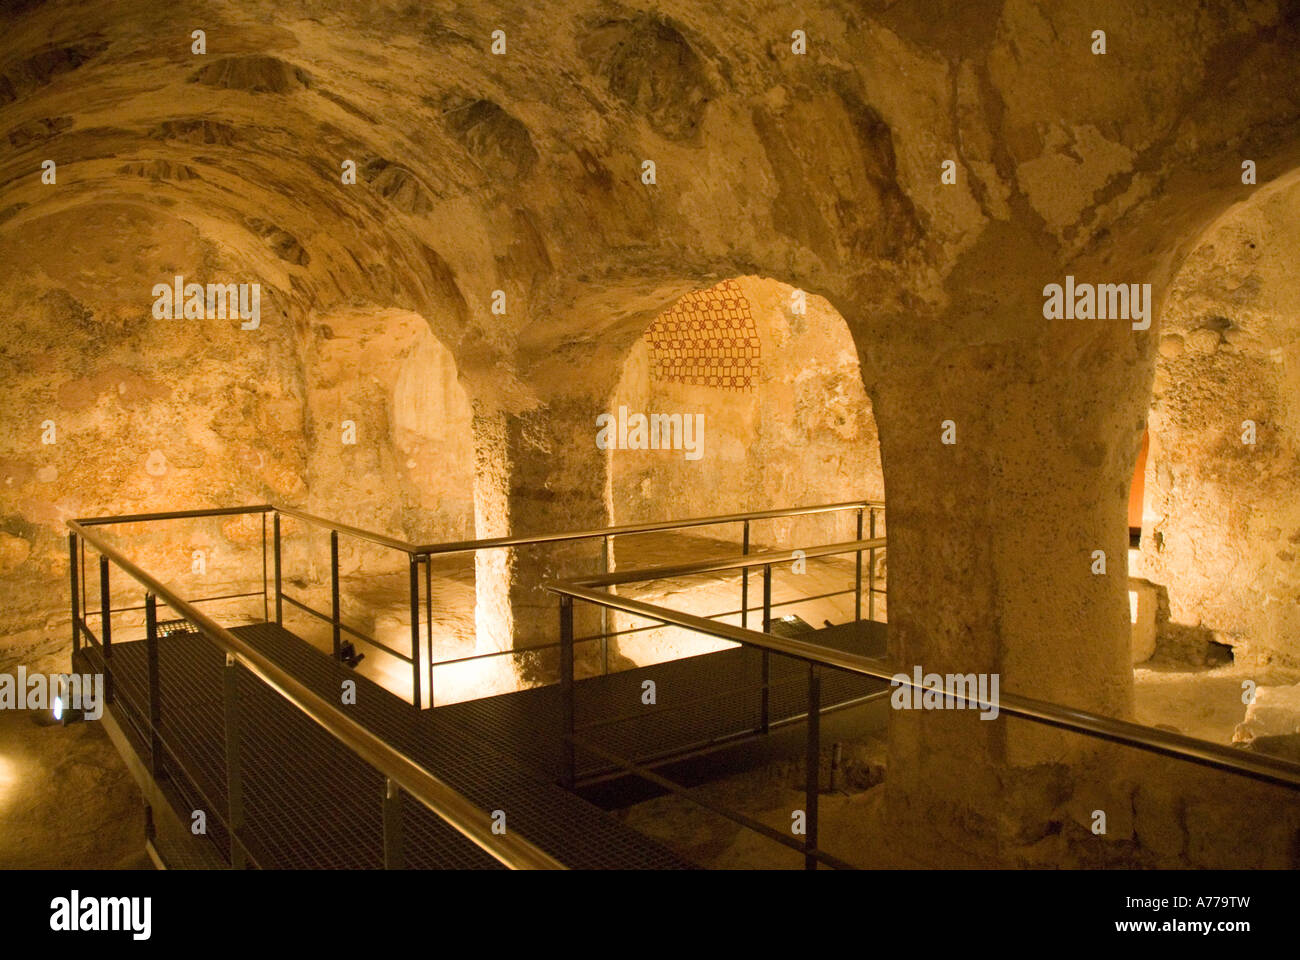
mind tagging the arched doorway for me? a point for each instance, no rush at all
(766, 383)
(1220, 525)
(391, 451)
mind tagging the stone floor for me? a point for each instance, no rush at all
(1199, 702)
(770, 793)
(66, 799)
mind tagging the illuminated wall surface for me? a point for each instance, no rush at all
(1025, 273)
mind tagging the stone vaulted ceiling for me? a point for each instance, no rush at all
(522, 171)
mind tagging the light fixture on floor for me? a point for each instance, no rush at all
(348, 654)
(62, 699)
(65, 714)
(59, 712)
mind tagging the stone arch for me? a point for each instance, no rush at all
(149, 413)
(770, 377)
(1220, 531)
(408, 470)
(390, 449)
(540, 469)
(787, 419)
(1092, 388)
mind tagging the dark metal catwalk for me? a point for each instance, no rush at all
(700, 701)
(308, 802)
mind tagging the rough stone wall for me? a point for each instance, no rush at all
(154, 414)
(408, 470)
(144, 414)
(1222, 530)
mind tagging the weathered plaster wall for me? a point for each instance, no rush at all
(409, 469)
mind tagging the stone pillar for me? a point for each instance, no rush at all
(536, 473)
(991, 555)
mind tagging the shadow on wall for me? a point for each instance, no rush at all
(1184, 644)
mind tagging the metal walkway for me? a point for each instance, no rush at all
(248, 724)
(309, 802)
(701, 702)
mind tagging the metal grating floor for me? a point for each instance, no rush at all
(700, 701)
(310, 804)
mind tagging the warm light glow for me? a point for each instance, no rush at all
(1138, 489)
(474, 680)
(490, 676)
(452, 683)
(704, 598)
(8, 779)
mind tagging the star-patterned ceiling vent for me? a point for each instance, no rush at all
(707, 338)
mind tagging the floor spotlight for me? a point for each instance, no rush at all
(64, 714)
(59, 712)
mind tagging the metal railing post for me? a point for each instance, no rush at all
(428, 617)
(76, 608)
(604, 611)
(106, 628)
(266, 608)
(857, 593)
(234, 775)
(279, 589)
(765, 719)
(568, 772)
(871, 576)
(334, 595)
(155, 686)
(392, 825)
(415, 629)
(744, 580)
(812, 780)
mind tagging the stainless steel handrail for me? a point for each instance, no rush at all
(1232, 760)
(728, 563)
(462, 546)
(382, 539)
(653, 527)
(173, 515)
(443, 800)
